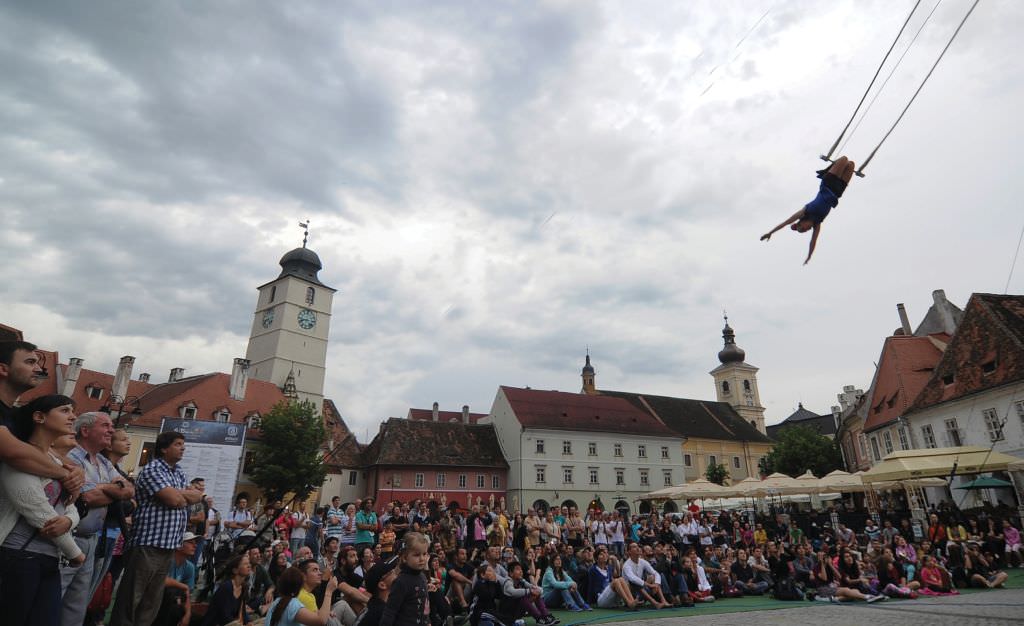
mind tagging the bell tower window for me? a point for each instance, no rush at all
(746, 386)
(273, 292)
(310, 295)
(725, 387)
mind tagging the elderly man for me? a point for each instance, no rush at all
(103, 486)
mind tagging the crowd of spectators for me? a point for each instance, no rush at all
(74, 526)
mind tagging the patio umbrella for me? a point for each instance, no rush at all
(749, 487)
(839, 480)
(780, 484)
(986, 482)
(702, 488)
(809, 483)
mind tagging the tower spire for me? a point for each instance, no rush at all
(587, 374)
(305, 231)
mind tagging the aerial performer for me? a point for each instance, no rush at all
(833, 183)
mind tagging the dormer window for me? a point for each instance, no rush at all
(95, 392)
(188, 411)
(310, 295)
(989, 367)
(222, 415)
(255, 421)
(948, 379)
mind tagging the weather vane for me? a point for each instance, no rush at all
(305, 232)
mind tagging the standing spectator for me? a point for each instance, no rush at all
(299, 526)
(35, 522)
(333, 527)
(239, 518)
(197, 519)
(117, 514)
(617, 536)
(348, 526)
(158, 526)
(213, 526)
(20, 371)
(103, 486)
(316, 529)
(366, 526)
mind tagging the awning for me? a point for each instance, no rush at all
(986, 482)
(938, 462)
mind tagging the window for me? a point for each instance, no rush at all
(746, 386)
(664, 452)
(396, 480)
(736, 462)
(644, 479)
(442, 479)
(495, 482)
(953, 437)
(929, 436)
(667, 476)
(462, 481)
(618, 449)
(147, 453)
(874, 448)
(94, 392)
(479, 481)
(248, 463)
(863, 442)
(1019, 405)
(566, 475)
(188, 413)
(273, 292)
(620, 476)
(540, 446)
(591, 449)
(641, 451)
(419, 480)
(352, 477)
(593, 475)
(566, 447)
(712, 460)
(993, 424)
(904, 443)
(725, 387)
(310, 295)
(255, 421)
(540, 474)
(887, 440)
(989, 367)
(687, 460)
(223, 416)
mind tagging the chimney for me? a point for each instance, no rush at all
(434, 415)
(122, 376)
(177, 373)
(942, 307)
(239, 378)
(144, 377)
(904, 320)
(71, 374)
(465, 413)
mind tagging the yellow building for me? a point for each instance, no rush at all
(729, 431)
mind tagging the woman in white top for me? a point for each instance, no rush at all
(36, 519)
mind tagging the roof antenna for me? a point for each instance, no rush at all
(305, 231)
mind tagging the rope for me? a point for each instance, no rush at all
(860, 172)
(1014, 263)
(831, 150)
(881, 87)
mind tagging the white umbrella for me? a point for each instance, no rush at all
(809, 483)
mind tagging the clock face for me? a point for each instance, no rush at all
(268, 318)
(307, 319)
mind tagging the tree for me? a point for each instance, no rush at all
(802, 448)
(289, 460)
(716, 473)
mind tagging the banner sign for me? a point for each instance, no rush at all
(213, 450)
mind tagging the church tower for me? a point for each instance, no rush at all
(288, 341)
(589, 386)
(736, 381)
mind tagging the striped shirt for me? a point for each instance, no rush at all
(334, 530)
(155, 524)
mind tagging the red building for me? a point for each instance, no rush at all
(443, 461)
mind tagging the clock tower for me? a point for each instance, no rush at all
(290, 327)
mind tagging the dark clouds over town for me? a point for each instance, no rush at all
(495, 186)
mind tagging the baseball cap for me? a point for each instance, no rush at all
(188, 536)
(377, 573)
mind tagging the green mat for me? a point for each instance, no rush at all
(729, 605)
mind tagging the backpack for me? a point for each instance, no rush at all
(787, 589)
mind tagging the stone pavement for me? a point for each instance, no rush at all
(989, 608)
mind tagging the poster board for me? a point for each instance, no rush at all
(213, 450)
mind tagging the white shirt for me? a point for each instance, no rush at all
(637, 572)
(598, 528)
(299, 530)
(616, 528)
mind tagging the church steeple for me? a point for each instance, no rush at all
(589, 385)
(736, 380)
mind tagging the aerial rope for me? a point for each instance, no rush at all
(828, 157)
(860, 172)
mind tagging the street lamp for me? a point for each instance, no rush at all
(130, 401)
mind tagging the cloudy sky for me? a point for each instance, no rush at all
(495, 186)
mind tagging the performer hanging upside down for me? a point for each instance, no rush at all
(833, 183)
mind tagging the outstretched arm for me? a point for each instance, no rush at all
(814, 241)
(792, 218)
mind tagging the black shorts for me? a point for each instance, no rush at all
(834, 184)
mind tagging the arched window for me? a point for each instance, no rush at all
(310, 295)
(273, 292)
(725, 387)
(746, 386)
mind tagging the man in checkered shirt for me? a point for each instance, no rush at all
(158, 525)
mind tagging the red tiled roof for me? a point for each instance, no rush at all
(346, 451)
(209, 392)
(443, 416)
(86, 378)
(904, 368)
(560, 410)
(987, 351)
(403, 442)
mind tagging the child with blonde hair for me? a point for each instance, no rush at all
(407, 603)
